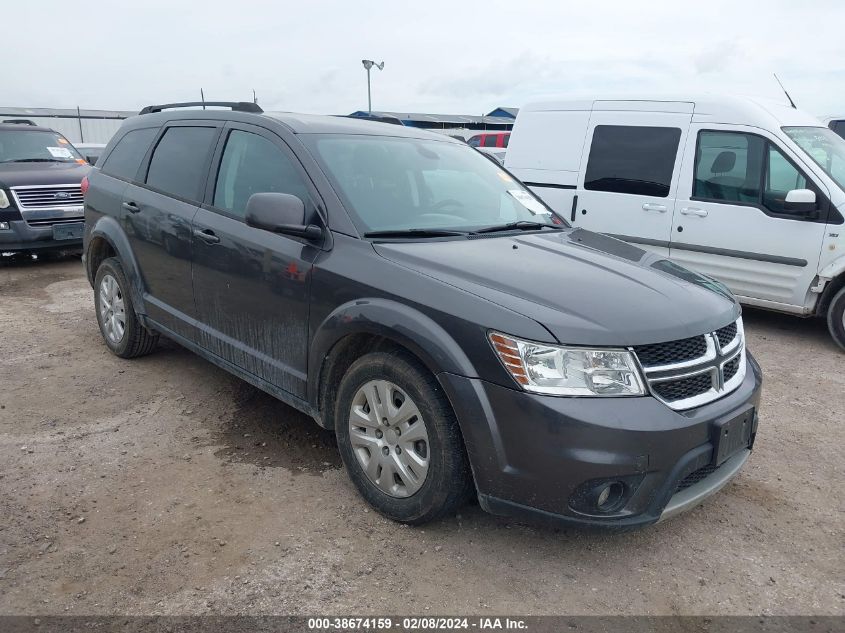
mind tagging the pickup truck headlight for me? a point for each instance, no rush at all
(568, 371)
(4, 200)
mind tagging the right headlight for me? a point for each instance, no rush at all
(4, 200)
(568, 371)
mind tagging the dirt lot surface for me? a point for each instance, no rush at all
(166, 486)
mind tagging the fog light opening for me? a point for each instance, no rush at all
(609, 496)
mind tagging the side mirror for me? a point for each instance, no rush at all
(801, 201)
(280, 213)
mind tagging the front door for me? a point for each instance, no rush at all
(626, 186)
(730, 222)
(251, 286)
(157, 214)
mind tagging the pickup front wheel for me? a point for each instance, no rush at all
(836, 318)
(399, 439)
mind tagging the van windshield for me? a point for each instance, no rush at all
(30, 146)
(824, 147)
(398, 184)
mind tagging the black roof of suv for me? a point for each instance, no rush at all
(408, 293)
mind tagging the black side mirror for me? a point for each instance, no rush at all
(801, 201)
(280, 213)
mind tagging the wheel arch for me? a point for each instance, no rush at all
(835, 273)
(107, 239)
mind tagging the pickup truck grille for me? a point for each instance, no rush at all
(42, 205)
(690, 372)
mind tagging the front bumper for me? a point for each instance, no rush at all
(532, 454)
(20, 236)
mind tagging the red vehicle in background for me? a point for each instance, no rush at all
(490, 139)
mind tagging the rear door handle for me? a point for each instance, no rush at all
(131, 207)
(701, 213)
(650, 206)
(207, 236)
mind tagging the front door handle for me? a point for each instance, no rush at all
(701, 213)
(131, 207)
(207, 236)
(650, 206)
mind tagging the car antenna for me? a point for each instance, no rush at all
(254, 98)
(791, 102)
(202, 98)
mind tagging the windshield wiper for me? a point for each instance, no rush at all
(416, 233)
(33, 160)
(521, 225)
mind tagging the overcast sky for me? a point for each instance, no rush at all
(463, 57)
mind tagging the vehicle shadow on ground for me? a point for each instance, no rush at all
(766, 323)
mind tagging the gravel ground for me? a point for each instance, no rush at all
(166, 486)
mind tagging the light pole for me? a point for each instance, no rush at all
(369, 63)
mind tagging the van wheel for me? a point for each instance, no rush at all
(836, 318)
(123, 333)
(399, 439)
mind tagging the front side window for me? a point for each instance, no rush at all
(824, 147)
(393, 183)
(728, 167)
(125, 159)
(36, 146)
(490, 140)
(475, 141)
(253, 164)
(636, 160)
(178, 163)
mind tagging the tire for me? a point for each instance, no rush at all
(401, 495)
(836, 318)
(134, 339)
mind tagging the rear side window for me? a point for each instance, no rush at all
(635, 160)
(125, 159)
(507, 140)
(490, 140)
(178, 164)
(252, 164)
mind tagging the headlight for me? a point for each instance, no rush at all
(568, 371)
(4, 200)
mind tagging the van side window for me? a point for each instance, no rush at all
(728, 166)
(178, 165)
(781, 178)
(252, 164)
(125, 159)
(632, 159)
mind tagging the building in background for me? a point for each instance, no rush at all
(500, 120)
(78, 126)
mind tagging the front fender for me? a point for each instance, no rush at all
(109, 229)
(395, 321)
(833, 269)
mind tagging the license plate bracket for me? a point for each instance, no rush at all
(72, 231)
(732, 435)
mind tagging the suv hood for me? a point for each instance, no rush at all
(24, 174)
(584, 287)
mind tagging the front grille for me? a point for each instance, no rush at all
(695, 476)
(683, 388)
(731, 367)
(672, 352)
(726, 335)
(47, 197)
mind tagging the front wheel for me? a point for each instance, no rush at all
(399, 439)
(836, 318)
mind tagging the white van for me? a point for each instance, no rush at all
(749, 192)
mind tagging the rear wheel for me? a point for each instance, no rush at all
(836, 318)
(122, 331)
(399, 439)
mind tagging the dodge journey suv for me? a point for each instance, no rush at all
(459, 337)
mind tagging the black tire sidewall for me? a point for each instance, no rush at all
(111, 266)
(834, 318)
(447, 473)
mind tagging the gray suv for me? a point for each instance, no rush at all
(459, 337)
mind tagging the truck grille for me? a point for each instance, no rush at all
(691, 372)
(43, 205)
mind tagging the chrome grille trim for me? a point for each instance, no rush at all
(712, 362)
(42, 205)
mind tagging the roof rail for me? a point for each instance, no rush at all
(19, 121)
(237, 106)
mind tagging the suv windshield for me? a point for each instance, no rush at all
(28, 146)
(397, 184)
(824, 147)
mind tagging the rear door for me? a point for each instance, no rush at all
(252, 286)
(629, 175)
(157, 214)
(730, 221)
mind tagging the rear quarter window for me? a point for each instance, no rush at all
(125, 159)
(637, 160)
